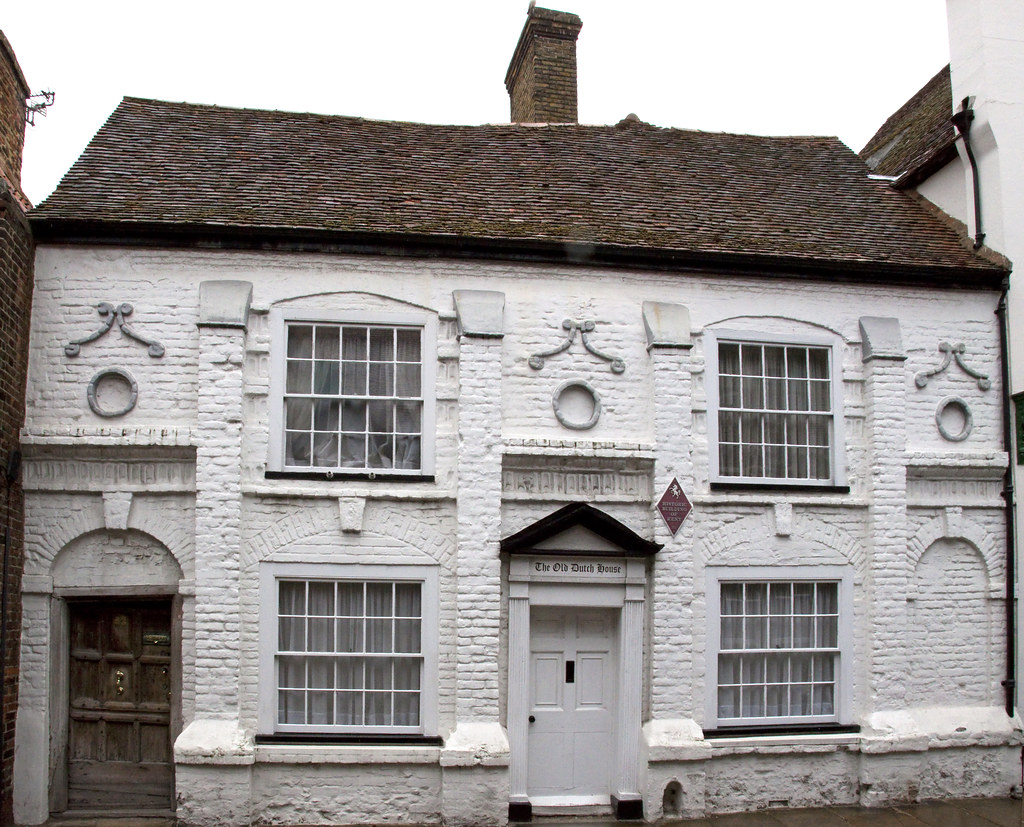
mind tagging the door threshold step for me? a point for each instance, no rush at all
(106, 818)
(573, 813)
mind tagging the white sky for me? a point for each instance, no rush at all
(817, 67)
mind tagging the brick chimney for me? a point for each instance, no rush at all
(13, 92)
(541, 79)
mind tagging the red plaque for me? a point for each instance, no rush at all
(674, 506)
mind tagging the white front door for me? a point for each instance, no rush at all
(570, 755)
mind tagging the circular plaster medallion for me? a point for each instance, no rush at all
(577, 405)
(112, 392)
(954, 419)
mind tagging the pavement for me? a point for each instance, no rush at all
(973, 812)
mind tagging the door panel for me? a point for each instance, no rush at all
(119, 751)
(570, 737)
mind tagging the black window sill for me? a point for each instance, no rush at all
(375, 740)
(789, 488)
(784, 729)
(348, 476)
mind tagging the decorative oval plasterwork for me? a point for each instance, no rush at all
(112, 375)
(559, 403)
(954, 403)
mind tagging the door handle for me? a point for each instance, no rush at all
(119, 681)
(570, 671)
(532, 719)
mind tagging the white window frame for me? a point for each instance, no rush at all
(272, 573)
(843, 577)
(280, 319)
(836, 432)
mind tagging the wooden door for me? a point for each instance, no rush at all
(119, 740)
(570, 736)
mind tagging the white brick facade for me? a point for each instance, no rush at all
(172, 498)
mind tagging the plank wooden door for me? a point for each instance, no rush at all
(119, 740)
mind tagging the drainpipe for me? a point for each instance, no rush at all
(1010, 684)
(962, 122)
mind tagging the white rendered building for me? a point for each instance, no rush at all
(358, 457)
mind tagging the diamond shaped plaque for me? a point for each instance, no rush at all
(673, 506)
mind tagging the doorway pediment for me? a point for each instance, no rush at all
(579, 528)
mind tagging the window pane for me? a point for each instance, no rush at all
(291, 673)
(774, 361)
(728, 358)
(353, 415)
(751, 358)
(407, 709)
(728, 669)
(756, 633)
(353, 378)
(382, 379)
(729, 392)
(756, 598)
(729, 702)
(353, 452)
(326, 343)
(817, 359)
(753, 701)
(349, 708)
(732, 598)
(382, 344)
(292, 597)
(407, 380)
(408, 345)
(753, 394)
(299, 377)
(803, 598)
(407, 674)
(354, 343)
(796, 362)
(732, 633)
(729, 460)
(325, 450)
(326, 415)
(300, 342)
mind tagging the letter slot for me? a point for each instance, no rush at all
(570, 671)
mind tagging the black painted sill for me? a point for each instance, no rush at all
(371, 740)
(758, 731)
(347, 476)
(780, 486)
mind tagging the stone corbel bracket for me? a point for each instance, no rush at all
(536, 361)
(952, 352)
(110, 314)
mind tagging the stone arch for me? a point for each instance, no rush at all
(766, 322)
(306, 523)
(953, 525)
(105, 559)
(66, 520)
(365, 300)
(809, 535)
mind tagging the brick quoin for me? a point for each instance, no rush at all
(16, 255)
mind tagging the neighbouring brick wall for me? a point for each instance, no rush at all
(15, 298)
(13, 92)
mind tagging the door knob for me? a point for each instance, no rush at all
(119, 681)
(532, 719)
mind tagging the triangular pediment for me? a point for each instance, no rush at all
(579, 528)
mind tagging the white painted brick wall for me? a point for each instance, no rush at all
(210, 392)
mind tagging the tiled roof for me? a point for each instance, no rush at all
(694, 195)
(917, 136)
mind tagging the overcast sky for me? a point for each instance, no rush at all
(791, 67)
